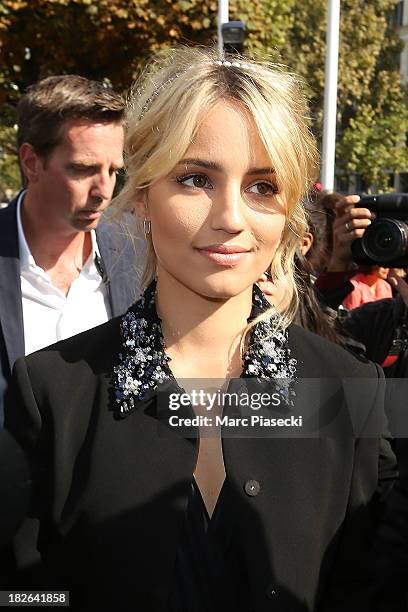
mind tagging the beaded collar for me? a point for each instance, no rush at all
(143, 364)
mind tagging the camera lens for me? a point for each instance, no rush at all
(385, 240)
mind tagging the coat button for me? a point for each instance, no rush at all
(252, 488)
(271, 591)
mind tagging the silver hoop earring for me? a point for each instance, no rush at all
(147, 227)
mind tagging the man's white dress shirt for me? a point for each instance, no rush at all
(48, 314)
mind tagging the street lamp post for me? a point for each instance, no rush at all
(330, 95)
(223, 17)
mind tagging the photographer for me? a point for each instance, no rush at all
(382, 327)
(349, 223)
(314, 313)
(387, 316)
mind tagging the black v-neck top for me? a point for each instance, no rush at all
(210, 572)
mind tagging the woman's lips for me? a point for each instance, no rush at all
(224, 255)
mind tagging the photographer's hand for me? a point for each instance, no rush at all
(350, 223)
(398, 283)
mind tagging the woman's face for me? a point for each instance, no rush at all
(381, 272)
(217, 218)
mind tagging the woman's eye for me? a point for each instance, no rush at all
(199, 181)
(263, 189)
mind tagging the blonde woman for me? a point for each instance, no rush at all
(134, 513)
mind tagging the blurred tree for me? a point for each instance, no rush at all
(110, 39)
(372, 116)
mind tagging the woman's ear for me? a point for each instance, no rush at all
(140, 205)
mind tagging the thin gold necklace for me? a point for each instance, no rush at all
(76, 266)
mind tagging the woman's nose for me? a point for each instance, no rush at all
(228, 211)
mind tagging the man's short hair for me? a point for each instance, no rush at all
(47, 105)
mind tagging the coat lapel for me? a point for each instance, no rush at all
(11, 311)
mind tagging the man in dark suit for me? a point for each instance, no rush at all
(63, 267)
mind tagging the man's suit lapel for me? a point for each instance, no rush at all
(108, 254)
(11, 310)
(119, 257)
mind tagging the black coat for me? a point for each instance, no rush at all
(391, 544)
(111, 493)
(383, 316)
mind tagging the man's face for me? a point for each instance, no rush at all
(76, 182)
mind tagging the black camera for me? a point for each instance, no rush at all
(385, 241)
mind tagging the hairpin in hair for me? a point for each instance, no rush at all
(228, 64)
(156, 93)
(153, 96)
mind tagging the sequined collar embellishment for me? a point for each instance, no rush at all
(143, 364)
(269, 355)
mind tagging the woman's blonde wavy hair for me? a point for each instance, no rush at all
(166, 106)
